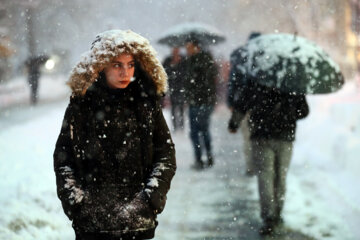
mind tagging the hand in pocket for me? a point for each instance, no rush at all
(138, 213)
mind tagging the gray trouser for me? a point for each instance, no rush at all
(247, 144)
(272, 159)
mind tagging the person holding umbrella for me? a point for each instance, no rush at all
(272, 121)
(114, 158)
(200, 88)
(200, 81)
(280, 70)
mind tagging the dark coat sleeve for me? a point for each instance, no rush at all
(164, 163)
(237, 90)
(232, 86)
(68, 189)
(302, 107)
(237, 77)
(243, 99)
(212, 74)
(296, 107)
(166, 65)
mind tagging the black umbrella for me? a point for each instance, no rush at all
(290, 63)
(178, 35)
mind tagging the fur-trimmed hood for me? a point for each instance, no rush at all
(109, 45)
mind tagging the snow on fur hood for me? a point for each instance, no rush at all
(109, 45)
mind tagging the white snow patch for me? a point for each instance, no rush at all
(153, 182)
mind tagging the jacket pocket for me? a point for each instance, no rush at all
(138, 213)
(109, 210)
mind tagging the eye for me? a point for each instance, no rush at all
(131, 65)
(117, 65)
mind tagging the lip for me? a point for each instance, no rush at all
(124, 81)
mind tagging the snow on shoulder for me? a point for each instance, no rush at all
(106, 46)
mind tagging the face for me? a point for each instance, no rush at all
(191, 48)
(176, 51)
(120, 71)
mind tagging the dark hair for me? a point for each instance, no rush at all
(253, 35)
(191, 38)
(143, 82)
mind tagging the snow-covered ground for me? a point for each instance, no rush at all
(322, 197)
(322, 184)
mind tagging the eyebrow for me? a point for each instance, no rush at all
(132, 61)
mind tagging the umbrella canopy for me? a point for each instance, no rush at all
(178, 35)
(291, 64)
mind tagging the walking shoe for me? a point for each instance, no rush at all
(210, 162)
(272, 227)
(249, 173)
(266, 229)
(198, 165)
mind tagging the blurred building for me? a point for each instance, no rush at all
(5, 53)
(353, 33)
(62, 27)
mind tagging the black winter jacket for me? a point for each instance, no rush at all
(114, 160)
(273, 114)
(176, 74)
(201, 77)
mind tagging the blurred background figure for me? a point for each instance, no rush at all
(236, 80)
(174, 68)
(33, 65)
(273, 117)
(200, 81)
(201, 96)
(280, 69)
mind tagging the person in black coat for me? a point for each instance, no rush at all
(114, 158)
(174, 67)
(272, 122)
(33, 65)
(200, 85)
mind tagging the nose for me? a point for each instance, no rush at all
(125, 72)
